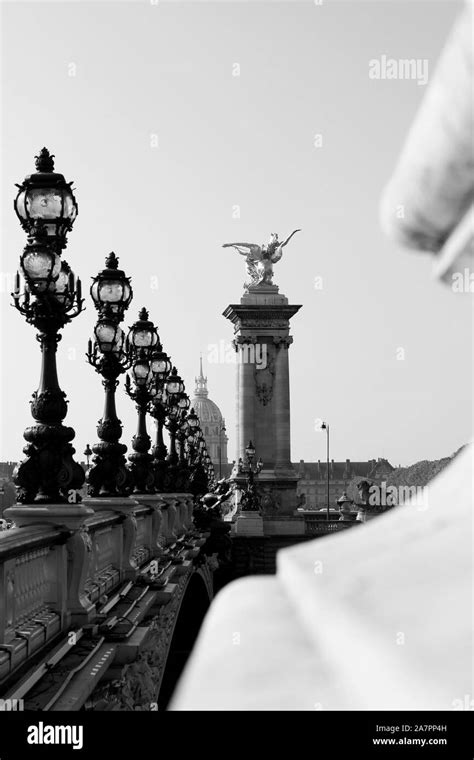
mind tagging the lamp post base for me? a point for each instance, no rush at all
(249, 524)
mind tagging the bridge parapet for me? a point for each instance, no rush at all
(315, 526)
(63, 567)
(33, 597)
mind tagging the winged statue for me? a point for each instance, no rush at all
(259, 259)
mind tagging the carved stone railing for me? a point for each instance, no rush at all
(62, 561)
(143, 550)
(317, 526)
(103, 574)
(33, 592)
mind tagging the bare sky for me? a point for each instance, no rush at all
(101, 84)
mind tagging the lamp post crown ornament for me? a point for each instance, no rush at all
(44, 162)
(111, 261)
(259, 259)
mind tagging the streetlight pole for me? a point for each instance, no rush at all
(221, 430)
(160, 367)
(111, 293)
(142, 340)
(50, 298)
(325, 427)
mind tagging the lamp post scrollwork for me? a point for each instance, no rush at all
(48, 296)
(109, 355)
(142, 340)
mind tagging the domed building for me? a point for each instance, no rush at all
(212, 422)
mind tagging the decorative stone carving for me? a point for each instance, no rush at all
(170, 511)
(156, 528)
(264, 380)
(129, 528)
(259, 259)
(269, 501)
(79, 551)
(138, 686)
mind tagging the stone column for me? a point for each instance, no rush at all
(282, 405)
(246, 400)
(237, 404)
(261, 334)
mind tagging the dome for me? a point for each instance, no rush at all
(211, 421)
(206, 410)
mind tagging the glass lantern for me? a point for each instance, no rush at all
(143, 333)
(47, 197)
(250, 451)
(41, 268)
(193, 420)
(63, 287)
(110, 337)
(160, 363)
(174, 385)
(184, 402)
(141, 373)
(111, 288)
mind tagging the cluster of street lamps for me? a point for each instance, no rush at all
(49, 295)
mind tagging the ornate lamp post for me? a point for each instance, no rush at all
(192, 441)
(325, 426)
(49, 298)
(209, 468)
(142, 340)
(112, 293)
(198, 478)
(250, 495)
(160, 367)
(87, 453)
(174, 389)
(183, 404)
(222, 429)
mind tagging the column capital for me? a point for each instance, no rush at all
(240, 340)
(283, 341)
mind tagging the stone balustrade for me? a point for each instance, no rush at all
(315, 525)
(61, 562)
(32, 592)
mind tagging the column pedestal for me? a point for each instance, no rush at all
(262, 340)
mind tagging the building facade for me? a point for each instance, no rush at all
(343, 476)
(212, 423)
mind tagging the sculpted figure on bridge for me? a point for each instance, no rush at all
(260, 258)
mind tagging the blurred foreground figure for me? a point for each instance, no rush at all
(428, 204)
(376, 618)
